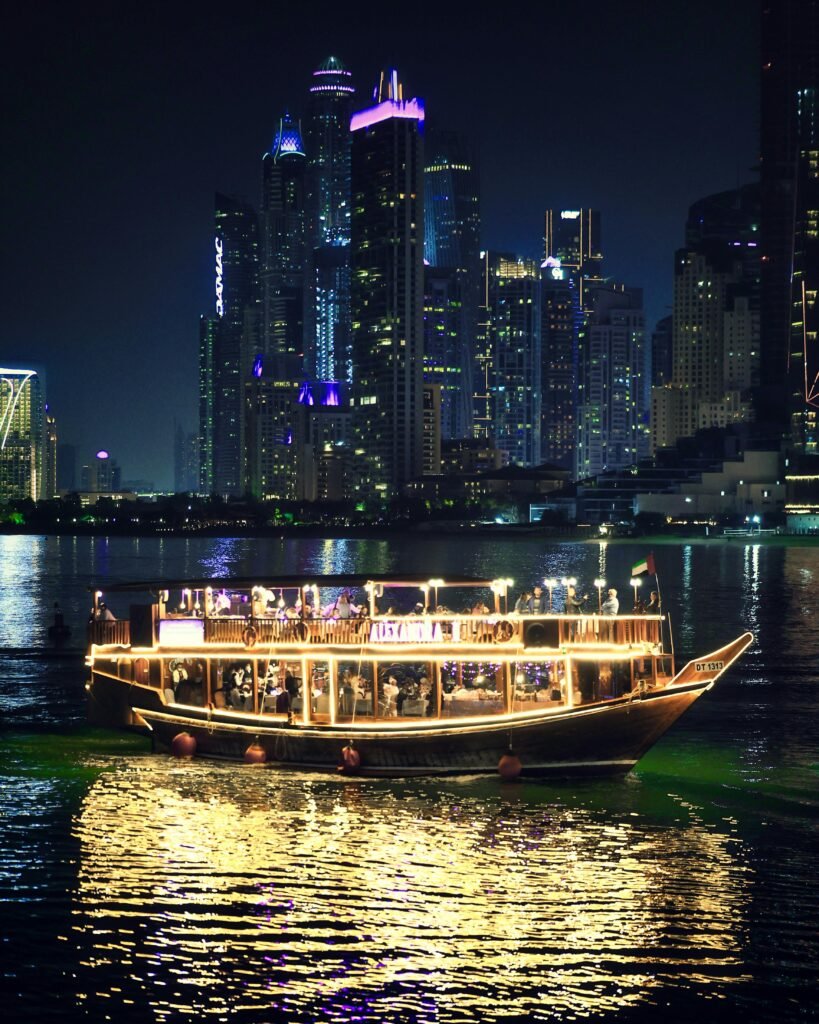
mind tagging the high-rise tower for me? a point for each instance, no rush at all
(327, 137)
(284, 245)
(789, 165)
(387, 239)
(233, 342)
(22, 435)
(452, 243)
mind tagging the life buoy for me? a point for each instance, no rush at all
(249, 636)
(503, 631)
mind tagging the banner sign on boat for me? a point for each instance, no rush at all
(416, 631)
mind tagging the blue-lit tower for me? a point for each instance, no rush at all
(327, 137)
(284, 246)
(387, 290)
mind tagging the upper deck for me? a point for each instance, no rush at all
(382, 613)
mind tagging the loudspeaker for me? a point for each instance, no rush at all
(541, 634)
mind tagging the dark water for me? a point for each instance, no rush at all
(137, 888)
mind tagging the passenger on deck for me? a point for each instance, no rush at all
(390, 694)
(104, 613)
(654, 607)
(221, 604)
(611, 606)
(537, 606)
(574, 604)
(523, 605)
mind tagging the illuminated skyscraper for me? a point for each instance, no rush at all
(234, 341)
(612, 410)
(715, 320)
(444, 349)
(284, 245)
(327, 138)
(560, 321)
(387, 228)
(22, 435)
(789, 228)
(452, 241)
(514, 310)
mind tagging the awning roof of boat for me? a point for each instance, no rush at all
(397, 579)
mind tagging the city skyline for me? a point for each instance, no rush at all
(116, 155)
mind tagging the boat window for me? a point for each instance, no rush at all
(538, 684)
(186, 677)
(320, 687)
(473, 688)
(354, 689)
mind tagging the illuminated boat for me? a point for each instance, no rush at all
(389, 676)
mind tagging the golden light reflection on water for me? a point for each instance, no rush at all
(204, 890)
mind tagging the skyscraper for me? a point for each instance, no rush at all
(327, 137)
(452, 242)
(789, 165)
(387, 226)
(208, 328)
(444, 349)
(514, 311)
(560, 321)
(235, 337)
(22, 435)
(613, 402)
(715, 320)
(284, 246)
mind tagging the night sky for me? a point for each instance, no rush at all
(122, 120)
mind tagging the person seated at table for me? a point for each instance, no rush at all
(221, 604)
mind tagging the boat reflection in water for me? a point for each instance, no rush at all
(207, 891)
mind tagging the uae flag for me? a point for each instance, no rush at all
(645, 565)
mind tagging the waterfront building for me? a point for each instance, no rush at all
(483, 410)
(275, 428)
(514, 310)
(444, 362)
(101, 474)
(715, 320)
(613, 397)
(208, 327)
(284, 244)
(227, 346)
(561, 319)
(50, 456)
(387, 222)
(789, 180)
(327, 141)
(22, 435)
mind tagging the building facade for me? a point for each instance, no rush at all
(387, 227)
(327, 139)
(22, 435)
(561, 319)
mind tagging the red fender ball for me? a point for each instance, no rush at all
(255, 754)
(183, 745)
(350, 759)
(509, 766)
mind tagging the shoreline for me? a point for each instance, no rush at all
(523, 533)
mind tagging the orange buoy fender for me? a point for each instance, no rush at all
(350, 759)
(255, 754)
(183, 745)
(509, 766)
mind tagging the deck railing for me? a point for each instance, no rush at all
(115, 632)
(530, 630)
